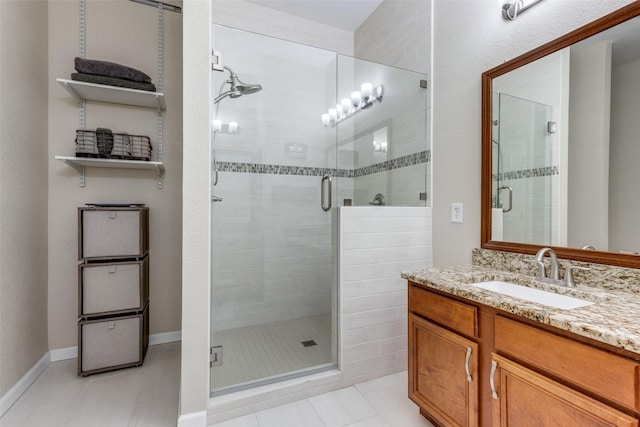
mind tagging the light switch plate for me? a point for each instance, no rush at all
(456, 212)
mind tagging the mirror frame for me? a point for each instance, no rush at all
(599, 257)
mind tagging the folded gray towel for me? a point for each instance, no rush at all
(111, 81)
(104, 140)
(110, 69)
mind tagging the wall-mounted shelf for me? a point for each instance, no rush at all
(114, 94)
(79, 164)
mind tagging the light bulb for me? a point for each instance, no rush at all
(366, 89)
(333, 114)
(233, 127)
(346, 105)
(325, 119)
(377, 92)
(356, 98)
(217, 125)
(339, 110)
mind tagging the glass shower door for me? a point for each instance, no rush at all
(523, 156)
(274, 259)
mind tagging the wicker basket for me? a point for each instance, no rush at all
(104, 144)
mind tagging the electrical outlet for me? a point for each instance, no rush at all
(456, 212)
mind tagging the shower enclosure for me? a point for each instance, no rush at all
(278, 176)
(523, 169)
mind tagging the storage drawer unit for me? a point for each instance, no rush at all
(112, 343)
(112, 288)
(106, 233)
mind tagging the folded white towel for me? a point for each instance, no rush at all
(497, 229)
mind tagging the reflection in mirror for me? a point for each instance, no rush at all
(560, 145)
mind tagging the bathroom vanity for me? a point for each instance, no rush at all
(480, 357)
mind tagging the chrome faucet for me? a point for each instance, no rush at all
(553, 273)
(554, 276)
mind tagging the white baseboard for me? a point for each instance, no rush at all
(23, 384)
(193, 419)
(165, 337)
(64, 354)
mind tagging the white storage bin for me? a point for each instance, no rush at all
(113, 232)
(112, 288)
(112, 343)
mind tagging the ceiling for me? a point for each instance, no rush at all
(344, 14)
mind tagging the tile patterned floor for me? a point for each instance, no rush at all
(262, 351)
(148, 397)
(381, 402)
(144, 396)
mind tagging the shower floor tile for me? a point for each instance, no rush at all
(260, 352)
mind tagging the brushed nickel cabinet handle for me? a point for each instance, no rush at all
(494, 366)
(466, 364)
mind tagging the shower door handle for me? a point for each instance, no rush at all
(215, 171)
(325, 207)
(505, 187)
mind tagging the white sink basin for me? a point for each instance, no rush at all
(533, 295)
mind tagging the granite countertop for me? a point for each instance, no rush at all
(613, 319)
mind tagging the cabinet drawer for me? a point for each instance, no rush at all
(611, 376)
(111, 233)
(112, 288)
(462, 318)
(112, 343)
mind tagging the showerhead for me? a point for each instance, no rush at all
(238, 87)
(242, 87)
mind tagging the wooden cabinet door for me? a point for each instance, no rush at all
(525, 398)
(443, 377)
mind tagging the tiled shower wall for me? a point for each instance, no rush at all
(377, 244)
(274, 250)
(272, 254)
(273, 247)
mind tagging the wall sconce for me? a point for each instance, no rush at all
(219, 127)
(511, 8)
(358, 100)
(380, 146)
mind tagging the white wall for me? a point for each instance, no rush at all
(470, 37)
(23, 188)
(196, 211)
(624, 174)
(258, 19)
(124, 32)
(589, 118)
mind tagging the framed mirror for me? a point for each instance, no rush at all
(561, 146)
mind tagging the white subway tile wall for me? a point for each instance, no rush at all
(377, 243)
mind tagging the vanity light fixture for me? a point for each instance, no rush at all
(358, 100)
(512, 8)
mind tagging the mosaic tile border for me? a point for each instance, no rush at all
(527, 173)
(259, 168)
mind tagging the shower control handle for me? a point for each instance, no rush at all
(325, 206)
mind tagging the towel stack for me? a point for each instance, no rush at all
(111, 74)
